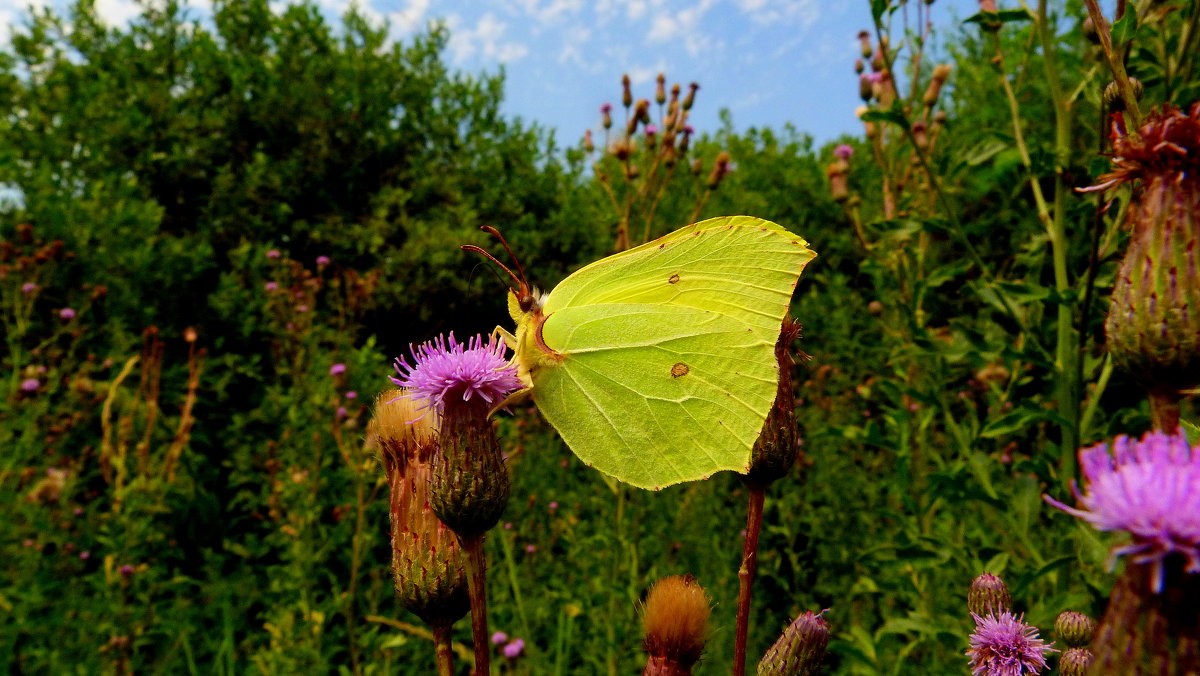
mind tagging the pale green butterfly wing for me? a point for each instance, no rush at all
(657, 394)
(669, 370)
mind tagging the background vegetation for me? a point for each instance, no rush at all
(184, 476)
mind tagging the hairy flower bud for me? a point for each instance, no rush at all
(626, 91)
(720, 168)
(690, 97)
(470, 484)
(775, 450)
(988, 595)
(1113, 98)
(660, 89)
(426, 563)
(800, 649)
(940, 73)
(839, 187)
(864, 42)
(675, 623)
(1075, 629)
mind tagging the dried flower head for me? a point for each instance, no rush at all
(675, 621)
(1148, 487)
(444, 369)
(1003, 645)
(429, 577)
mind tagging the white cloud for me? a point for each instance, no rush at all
(642, 74)
(552, 11)
(486, 40)
(806, 12)
(573, 46)
(668, 25)
(410, 19)
(117, 12)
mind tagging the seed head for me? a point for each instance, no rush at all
(675, 623)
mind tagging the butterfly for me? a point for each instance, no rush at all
(656, 365)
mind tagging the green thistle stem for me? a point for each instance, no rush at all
(477, 588)
(754, 513)
(445, 656)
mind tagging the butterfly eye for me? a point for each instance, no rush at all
(526, 302)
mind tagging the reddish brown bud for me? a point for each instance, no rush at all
(675, 622)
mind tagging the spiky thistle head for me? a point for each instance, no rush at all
(1003, 645)
(1150, 488)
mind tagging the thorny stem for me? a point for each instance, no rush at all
(477, 589)
(754, 513)
(445, 656)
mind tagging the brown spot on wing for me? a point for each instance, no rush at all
(679, 369)
(673, 278)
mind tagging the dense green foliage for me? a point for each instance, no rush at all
(186, 485)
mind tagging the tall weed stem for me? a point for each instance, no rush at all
(477, 589)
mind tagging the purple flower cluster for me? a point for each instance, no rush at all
(1003, 645)
(1148, 487)
(444, 367)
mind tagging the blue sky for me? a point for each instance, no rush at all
(768, 61)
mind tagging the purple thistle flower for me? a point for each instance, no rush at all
(126, 570)
(351, 394)
(1003, 645)
(444, 368)
(273, 253)
(322, 260)
(28, 288)
(270, 287)
(30, 385)
(499, 637)
(1150, 488)
(529, 549)
(843, 152)
(514, 649)
(84, 556)
(605, 108)
(337, 369)
(651, 130)
(689, 129)
(66, 314)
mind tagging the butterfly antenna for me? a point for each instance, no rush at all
(504, 243)
(490, 257)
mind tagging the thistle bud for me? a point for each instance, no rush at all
(622, 150)
(632, 172)
(839, 188)
(859, 66)
(690, 98)
(675, 623)
(428, 569)
(675, 93)
(920, 134)
(988, 595)
(1153, 328)
(642, 111)
(866, 87)
(775, 450)
(687, 135)
(651, 136)
(697, 166)
(864, 41)
(800, 649)
(720, 168)
(1075, 662)
(626, 91)
(588, 144)
(1075, 629)
(1113, 98)
(940, 117)
(940, 73)
(606, 115)
(1089, 31)
(660, 89)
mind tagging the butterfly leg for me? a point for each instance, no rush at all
(504, 334)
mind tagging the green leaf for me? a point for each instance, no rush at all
(1019, 419)
(1125, 27)
(984, 151)
(1002, 16)
(895, 115)
(878, 7)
